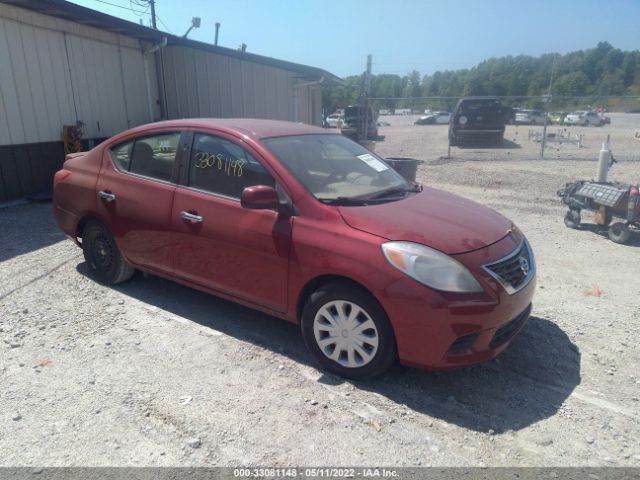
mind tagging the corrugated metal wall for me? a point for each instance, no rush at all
(54, 72)
(205, 84)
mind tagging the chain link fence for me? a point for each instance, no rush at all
(614, 120)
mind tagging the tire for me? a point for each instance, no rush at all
(572, 219)
(323, 315)
(103, 256)
(619, 232)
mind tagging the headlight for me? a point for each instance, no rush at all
(462, 120)
(430, 267)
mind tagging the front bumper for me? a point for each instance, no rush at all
(439, 330)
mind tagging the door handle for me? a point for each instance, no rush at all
(106, 195)
(191, 217)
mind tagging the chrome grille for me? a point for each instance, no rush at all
(515, 270)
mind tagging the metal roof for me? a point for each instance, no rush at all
(86, 16)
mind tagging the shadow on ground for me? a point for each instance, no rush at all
(26, 228)
(634, 239)
(526, 384)
(505, 145)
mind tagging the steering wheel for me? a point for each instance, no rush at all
(335, 177)
(356, 176)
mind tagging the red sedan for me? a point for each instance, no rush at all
(307, 226)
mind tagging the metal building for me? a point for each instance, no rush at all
(61, 63)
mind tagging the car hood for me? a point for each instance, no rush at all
(434, 218)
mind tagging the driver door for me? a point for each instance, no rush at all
(220, 244)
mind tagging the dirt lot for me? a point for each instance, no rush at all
(152, 373)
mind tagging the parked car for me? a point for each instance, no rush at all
(557, 118)
(354, 119)
(477, 119)
(510, 114)
(529, 117)
(308, 226)
(434, 118)
(332, 120)
(584, 118)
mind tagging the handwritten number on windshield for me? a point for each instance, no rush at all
(217, 162)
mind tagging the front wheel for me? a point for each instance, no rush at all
(103, 256)
(619, 232)
(572, 219)
(348, 332)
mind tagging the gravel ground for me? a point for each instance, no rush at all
(153, 373)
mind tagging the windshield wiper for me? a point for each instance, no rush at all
(343, 201)
(378, 197)
(395, 191)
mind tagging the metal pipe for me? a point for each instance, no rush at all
(145, 55)
(217, 31)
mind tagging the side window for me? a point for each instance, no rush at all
(154, 156)
(220, 166)
(121, 155)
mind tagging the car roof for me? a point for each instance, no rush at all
(252, 127)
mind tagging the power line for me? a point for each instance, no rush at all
(164, 25)
(121, 6)
(134, 2)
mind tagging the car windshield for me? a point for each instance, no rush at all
(337, 170)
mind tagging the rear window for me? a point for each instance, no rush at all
(121, 155)
(474, 106)
(152, 156)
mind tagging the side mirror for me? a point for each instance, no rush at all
(260, 197)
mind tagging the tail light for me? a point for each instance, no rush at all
(60, 176)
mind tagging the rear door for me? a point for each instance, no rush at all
(484, 115)
(218, 243)
(135, 194)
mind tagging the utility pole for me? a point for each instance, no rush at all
(547, 99)
(367, 94)
(152, 3)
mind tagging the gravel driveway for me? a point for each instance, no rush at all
(153, 373)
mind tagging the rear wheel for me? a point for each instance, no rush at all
(348, 332)
(619, 232)
(572, 219)
(103, 256)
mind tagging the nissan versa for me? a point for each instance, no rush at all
(307, 226)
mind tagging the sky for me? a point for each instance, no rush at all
(401, 35)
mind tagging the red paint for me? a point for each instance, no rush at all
(264, 259)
